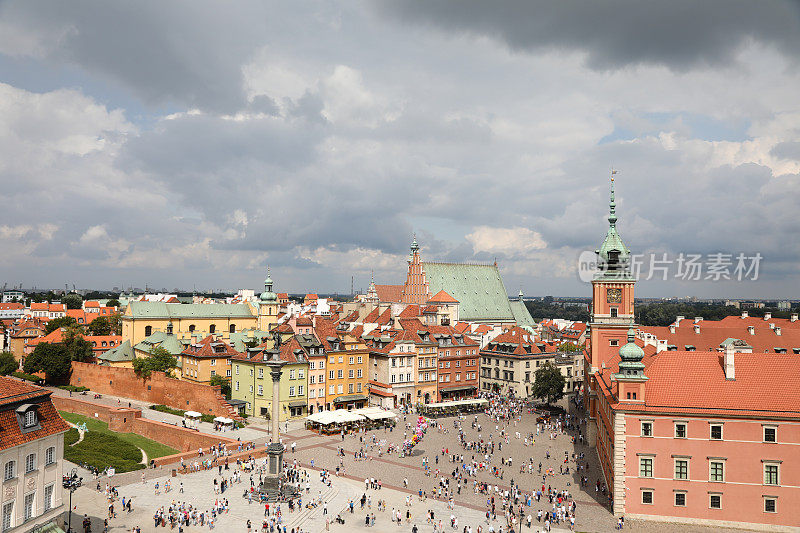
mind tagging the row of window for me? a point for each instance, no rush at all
(148, 330)
(10, 468)
(445, 378)
(769, 433)
(446, 364)
(681, 499)
(28, 507)
(716, 469)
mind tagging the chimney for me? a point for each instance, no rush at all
(767, 316)
(793, 317)
(730, 369)
(778, 330)
(672, 328)
(697, 319)
(745, 314)
(696, 328)
(679, 318)
(751, 330)
(772, 325)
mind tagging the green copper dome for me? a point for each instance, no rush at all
(268, 296)
(613, 254)
(631, 356)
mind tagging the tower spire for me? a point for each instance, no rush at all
(612, 205)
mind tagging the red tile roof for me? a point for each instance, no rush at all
(410, 311)
(443, 297)
(694, 382)
(210, 348)
(389, 293)
(13, 393)
(10, 305)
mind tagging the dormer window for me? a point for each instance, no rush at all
(28, 418)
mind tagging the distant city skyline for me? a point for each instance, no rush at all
(150, 144)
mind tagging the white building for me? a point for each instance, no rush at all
(31, 455)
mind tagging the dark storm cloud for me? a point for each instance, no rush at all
(679, 34)
(187, 53)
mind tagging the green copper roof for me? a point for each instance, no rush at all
(631, 356)
(522, 316)
(163, 310)
(123, 352)
(613, 242)
(170, 343)
(238, 339)
(478, 289)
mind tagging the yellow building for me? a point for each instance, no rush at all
(252, 382)
(142, 319)
(347, 367)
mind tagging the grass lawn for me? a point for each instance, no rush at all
(152, 448)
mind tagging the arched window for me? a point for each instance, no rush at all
(191, 328)
(30, 463)
(148, 330)
(10, 470)
(232, 328)
(212, 328)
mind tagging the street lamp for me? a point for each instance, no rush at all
(71, 483)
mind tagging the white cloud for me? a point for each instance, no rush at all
(510, 242)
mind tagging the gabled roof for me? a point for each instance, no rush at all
(169, 342)
(209, 348)
(410, 311)
(442, 297)
(479, 289)
(122, 352)
(389, 293)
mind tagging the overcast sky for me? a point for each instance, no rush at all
(182, 144)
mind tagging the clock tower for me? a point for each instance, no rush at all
(612, 313)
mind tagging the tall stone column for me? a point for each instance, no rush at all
(276, 401)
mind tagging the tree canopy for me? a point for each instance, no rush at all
(224, 383)
(8, 363)
(99, 326)
(60, 322)
(51, 358)
(72, 301)
(567, 347)
(549, 383)
(112, 303)
(159, 360)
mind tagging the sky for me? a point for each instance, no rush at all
(194, 143)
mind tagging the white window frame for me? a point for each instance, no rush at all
(774, 499)
(777, 465)
(675, 498)
(685, 430)
(652, 496)
(648, 424)
(711, 462)
(774, 429)
(30, 463)
(9, 470)
(644, 458)
(50, 456)
(711, 427)
(711, 495)
(675, 468)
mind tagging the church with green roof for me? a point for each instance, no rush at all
(478, 289)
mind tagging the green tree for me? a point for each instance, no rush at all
(112, 303)
(567, 347)
(78, 348)
(8, 363)
(549, 383)
(60, 322)
(159, 360)
(224, 383)
(115, 321)
(72, 301)
(99, 326)
(50, 358)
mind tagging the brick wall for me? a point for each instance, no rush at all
(156, 389)
(125, 420)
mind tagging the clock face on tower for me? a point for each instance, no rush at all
(614, 296)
